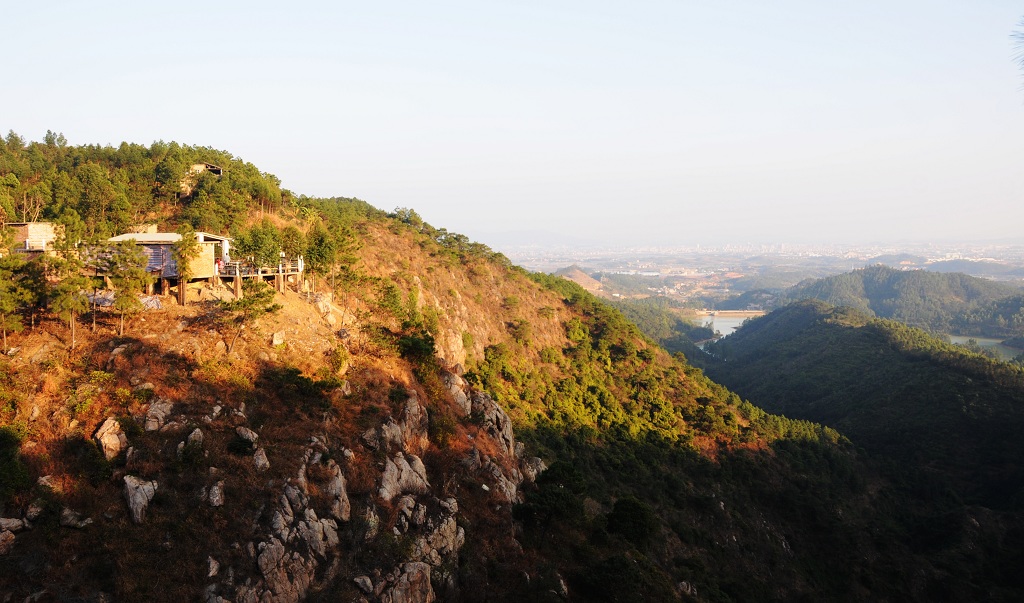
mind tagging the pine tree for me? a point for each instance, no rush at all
(68, 298)
(257, 299)
(127, 269)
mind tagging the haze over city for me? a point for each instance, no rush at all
(662, 123)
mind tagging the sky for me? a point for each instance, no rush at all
(565, 122)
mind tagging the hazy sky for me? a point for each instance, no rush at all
(623, 122)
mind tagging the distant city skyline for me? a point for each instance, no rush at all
(516, 123)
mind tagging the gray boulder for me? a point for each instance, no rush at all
(157, 414)
(364, 583)
(216, 497)
(72, 519)
(138, 493)
(457, 388)
(259, 458)
(403, 474)
(341, 508)
(111, 438)
(247, 434)
(12, 525)
(496, 422)
(414, 426)
(411, 586)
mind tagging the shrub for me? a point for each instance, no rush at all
(633, 519)
(521, 331)
(13, 473)
(337, 358)
(441, 429)
(417, 348)
(397, 393)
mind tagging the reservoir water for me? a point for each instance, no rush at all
(996, 345)
(725, 322)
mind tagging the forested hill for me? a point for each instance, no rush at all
(947, 417)
(98, 191)
(936, 302)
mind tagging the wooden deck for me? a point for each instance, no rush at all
(238, 271)
(244, 269)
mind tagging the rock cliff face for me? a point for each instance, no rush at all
(307, 538)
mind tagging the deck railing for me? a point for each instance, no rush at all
(245, 268)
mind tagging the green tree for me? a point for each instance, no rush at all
(13, 294)
(127, 270)
(68, 298)
(320, 251)
(34, 279)
(257, 300)
(346, 248)
(293, 242)
(262, 243)
(184, 250)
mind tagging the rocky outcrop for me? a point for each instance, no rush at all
(111, 438)
(415, 423)
(259, 459)
(247, 434)
(72, 519)
(411, 586)
(495, 422)
(216, 497)
(403, 474)
(138, 493)
(9, 524)
(443, 541)
(408, 434)
(300, 541)
(341, 508)
(457, 388)
(157, 414)
(532, 467)
(6, 542)
(286, 576)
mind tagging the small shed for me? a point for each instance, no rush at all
(189, 180)
(35, 237)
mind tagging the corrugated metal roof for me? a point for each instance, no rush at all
(148, 237)
(162, 238)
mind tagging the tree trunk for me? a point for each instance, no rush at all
(72, 321)
(231, 346)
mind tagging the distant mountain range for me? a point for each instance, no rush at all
(936, 302)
